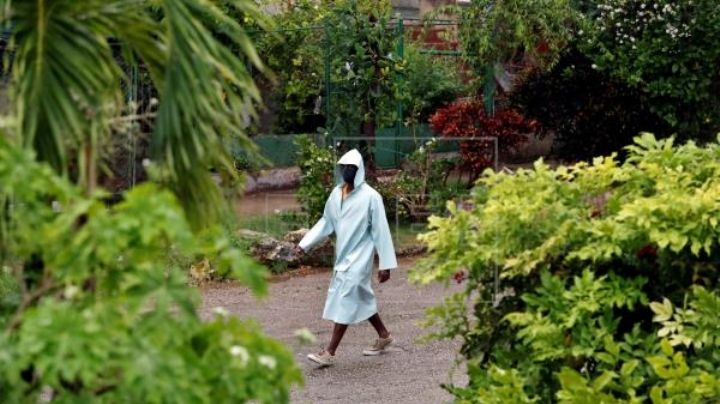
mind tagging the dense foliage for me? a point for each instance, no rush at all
(95, 303)
(591, 283)
(655, 65)
(293, 51)
(588, 113)
(468, 119)
(364, 63)
(427, 83)
(358, 42)
(669, 50)
(529, 33)
(92, 309)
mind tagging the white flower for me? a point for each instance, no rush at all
(594, 66)
(240, 353)
(267, 361)
(71, 290)
(146, 163)
(56, 206)
(221, 311)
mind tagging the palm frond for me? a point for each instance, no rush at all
(63, 74)
(205, 93)
(66, 79)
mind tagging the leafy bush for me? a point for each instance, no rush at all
(469, 119)
(593, 283)
(317, 176)
(95, 310)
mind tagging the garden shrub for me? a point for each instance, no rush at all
(316, 176)
(591, 283)
(469, 119)
(93, 309)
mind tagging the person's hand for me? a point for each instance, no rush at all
(383, 275)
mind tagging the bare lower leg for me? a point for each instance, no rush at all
(379, 326)
(338, 333)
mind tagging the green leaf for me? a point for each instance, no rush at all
(663, 311)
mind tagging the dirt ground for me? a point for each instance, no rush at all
(409, 372)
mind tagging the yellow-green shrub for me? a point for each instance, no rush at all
(591, 283)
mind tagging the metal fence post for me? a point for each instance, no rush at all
(133, 97)
(400, 51)
(326, 41)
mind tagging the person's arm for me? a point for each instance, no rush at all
(381, 236)
(322, 230)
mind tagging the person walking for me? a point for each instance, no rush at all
(356, 214)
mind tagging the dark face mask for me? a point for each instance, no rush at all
(348, 172)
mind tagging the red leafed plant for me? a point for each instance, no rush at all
(469, 119)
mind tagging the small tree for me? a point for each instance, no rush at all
(428, 83)
(361, 45)
(293, 52)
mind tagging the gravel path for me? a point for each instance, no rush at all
(409, 373)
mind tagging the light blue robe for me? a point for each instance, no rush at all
(360, 228)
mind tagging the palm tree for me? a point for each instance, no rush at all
(65, 87)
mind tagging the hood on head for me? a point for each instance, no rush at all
(355, 158)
